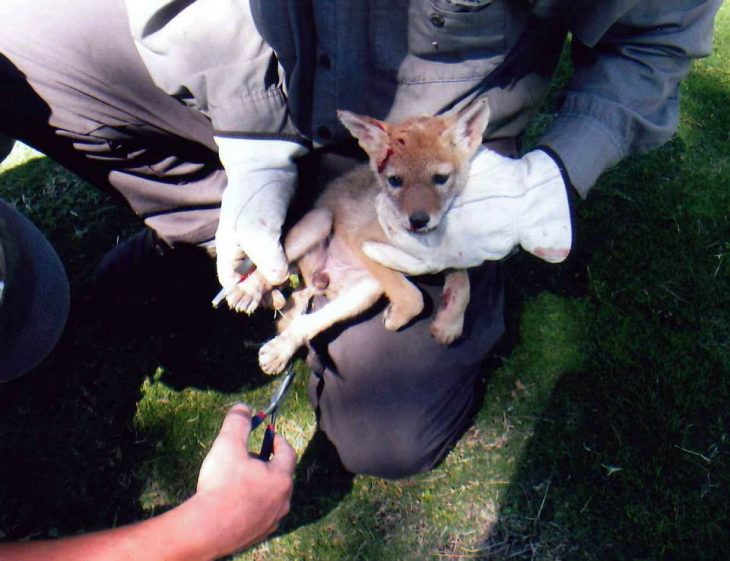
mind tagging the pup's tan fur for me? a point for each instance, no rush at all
(417, 167)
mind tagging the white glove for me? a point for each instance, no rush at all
(506, 202)
(262, 177)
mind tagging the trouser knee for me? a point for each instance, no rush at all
(393, 403)
(394, 445)
(383, 461)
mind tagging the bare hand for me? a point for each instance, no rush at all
(242, 497)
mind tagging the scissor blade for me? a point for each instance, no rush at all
(281, 391)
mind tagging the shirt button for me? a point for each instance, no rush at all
(324, 133)
(325, 61)
(437, 20)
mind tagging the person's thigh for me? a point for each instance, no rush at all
(73, 86)
(393, 403)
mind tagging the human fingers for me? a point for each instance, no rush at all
(237, 423)
(284, 457)
(229, 256)
(267, 253)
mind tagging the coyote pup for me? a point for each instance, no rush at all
(417, 167)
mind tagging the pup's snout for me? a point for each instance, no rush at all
(418, 220)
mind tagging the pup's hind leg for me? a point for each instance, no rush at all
(449, 321)
(351, 301)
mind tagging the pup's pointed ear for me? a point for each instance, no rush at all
(469, 125)
(371, 134)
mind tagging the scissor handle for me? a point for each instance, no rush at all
(267, 446)
(257, 419)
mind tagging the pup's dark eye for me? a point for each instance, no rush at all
(440, 179)
(395, 180)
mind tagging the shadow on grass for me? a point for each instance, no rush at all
(629, 460)
(70, 445)
(321, 482)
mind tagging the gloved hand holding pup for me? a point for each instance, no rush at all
(262, 176)
(506, 203)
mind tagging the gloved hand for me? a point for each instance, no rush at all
(506, 202)
(262, 177)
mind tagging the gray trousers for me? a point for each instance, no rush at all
(73, 86)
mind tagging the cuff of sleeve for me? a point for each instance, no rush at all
(243, 135)
(582, 148)
(251, 114)
(257, 153)
(569, 187)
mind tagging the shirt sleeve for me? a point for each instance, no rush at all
(209, 54)
(624, 95)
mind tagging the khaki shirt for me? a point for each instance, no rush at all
(281, 68)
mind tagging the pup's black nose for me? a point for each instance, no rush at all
(419, 220)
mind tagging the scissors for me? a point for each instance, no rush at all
(267, 447)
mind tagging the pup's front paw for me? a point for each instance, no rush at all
(276, 354)
(247, 295)
(446, 330)
(398, 315)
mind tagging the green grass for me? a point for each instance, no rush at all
(604, 431)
